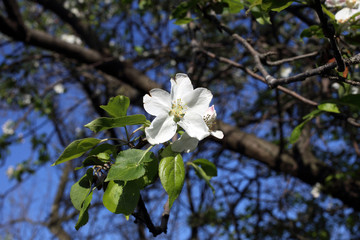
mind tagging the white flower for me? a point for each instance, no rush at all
(10, 172)
(26, 99)
(354, 90)
(8, 127)
(285, 72)
(189, 144)
(183, 107)
(71, 39)
(59, 88)
(335, 86)
(335, 3)
(350, 8)
(315, 192)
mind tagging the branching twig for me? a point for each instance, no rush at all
(256, 76)
(291, 59)
(143, 216)
(329, 32)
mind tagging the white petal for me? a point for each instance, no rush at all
(194, 125)
(198, 100)
(218, 134)
(344, 14)
(162, 129)
(335, 3)
(180, 86)
(158, 102)
(185, 144)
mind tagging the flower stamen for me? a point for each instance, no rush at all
(178, 110)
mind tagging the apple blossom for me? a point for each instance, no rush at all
(181, 107)
(350, 8)
(188, 144)
(8, 127)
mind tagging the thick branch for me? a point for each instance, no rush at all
(304, 166)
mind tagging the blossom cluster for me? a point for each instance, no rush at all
(184, 108)
(349, 9)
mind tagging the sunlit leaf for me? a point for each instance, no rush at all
(329, 107)
(235, 6)
(275, 5)
(172, 176)
(104, 123)
(129, 165)
(117, 106)
(297, 132)
(76, 149)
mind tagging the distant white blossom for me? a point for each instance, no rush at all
(315, 191)
(335, 86)
(26, 99)
(354, 90)
(59, 88)
(71, 39)
(285, 71)
(10, 171)
(8, 127)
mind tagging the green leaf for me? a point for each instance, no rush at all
(352, 100)
(151, 173)
(103, 148)
(202, 174)
(84, 215)
(329, 107)
(313, 114)
(235, 6)
(185, 20)
(80, 190)
(209, 168)
(275, 5)
(172, 176)
(330, 14)
(104, 123)
(297, 132)
(76, 149)
(129, 165)
(313, 30)
(117, 106)
(261, 16)
(167, 152)
(121, 197)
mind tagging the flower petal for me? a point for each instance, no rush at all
(218, 134)
(180, 86)
(162, 129)
(198, 100)
(158, 102)
(194, 125)
(345, 14)
(185, 144)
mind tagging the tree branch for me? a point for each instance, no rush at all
(143, 216)
(80, 27)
